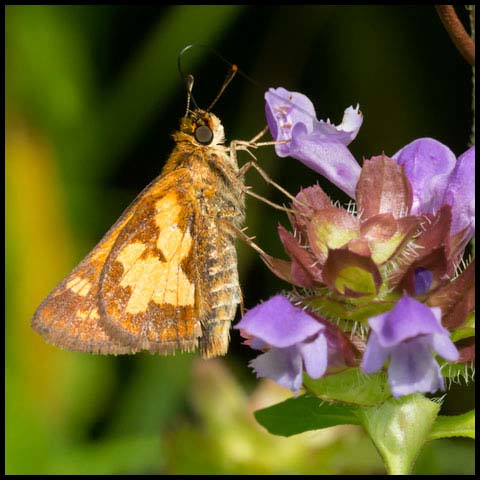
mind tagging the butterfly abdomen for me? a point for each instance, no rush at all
(222, 295)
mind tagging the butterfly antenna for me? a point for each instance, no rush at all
(188, 79)
(230, 75)
(189, 82)
(233, 71)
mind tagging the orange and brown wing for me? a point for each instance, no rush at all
(148, 285)
(70, 316)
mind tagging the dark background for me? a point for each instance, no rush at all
(92, 97)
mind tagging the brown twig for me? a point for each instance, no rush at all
(457, 32)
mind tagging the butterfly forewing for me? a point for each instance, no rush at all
(69, 316)
(147, 295)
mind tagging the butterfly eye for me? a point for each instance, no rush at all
(203, 135)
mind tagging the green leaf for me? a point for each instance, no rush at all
(351, 386)
(348, 308)
(454, 426)
(466, 330)
(461, 333)
(470, 322)
(363, 312)
(357, 280)
(300, 414)
(327, 306)
(399, 428)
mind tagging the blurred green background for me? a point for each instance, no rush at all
(92, 96)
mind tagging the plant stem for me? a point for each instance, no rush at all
(457, 32)
(471, 9)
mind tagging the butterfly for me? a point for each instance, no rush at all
(164, 277)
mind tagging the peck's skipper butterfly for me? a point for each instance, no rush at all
(164, 277)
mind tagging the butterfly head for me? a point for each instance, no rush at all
(202, 128)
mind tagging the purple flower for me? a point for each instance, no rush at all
(296, 339)
(284, 110)
(460, 193)
(438, 178)
(423, 280)
(409, 334)
(319, 144)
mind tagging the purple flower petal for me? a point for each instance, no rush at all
(318, 144)
(444, 347)
(346, 131)
(375, 355)
(408, 319)
(331, 159)
(284, 110)
(315, 356)
(258, 344)
(408, 334)
(283, 365)
(278, 323)
(423, 280)
(413, 369)
(427, 164)
(460, 193)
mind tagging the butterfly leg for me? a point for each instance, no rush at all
(254, 143)
(266, 177)
(280, 267)
(268, 180)
(268, 202)
(236, 146)
(237, 232)
(259, 135)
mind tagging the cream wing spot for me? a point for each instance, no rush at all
(129, 255)
(91, 314)
(142, 277)
(73, 282)
(168, 241)
(83, 292)
(175, 288)
(80, 286)
(168, 211)
(151, 278)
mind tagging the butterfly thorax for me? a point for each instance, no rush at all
(215, 174)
